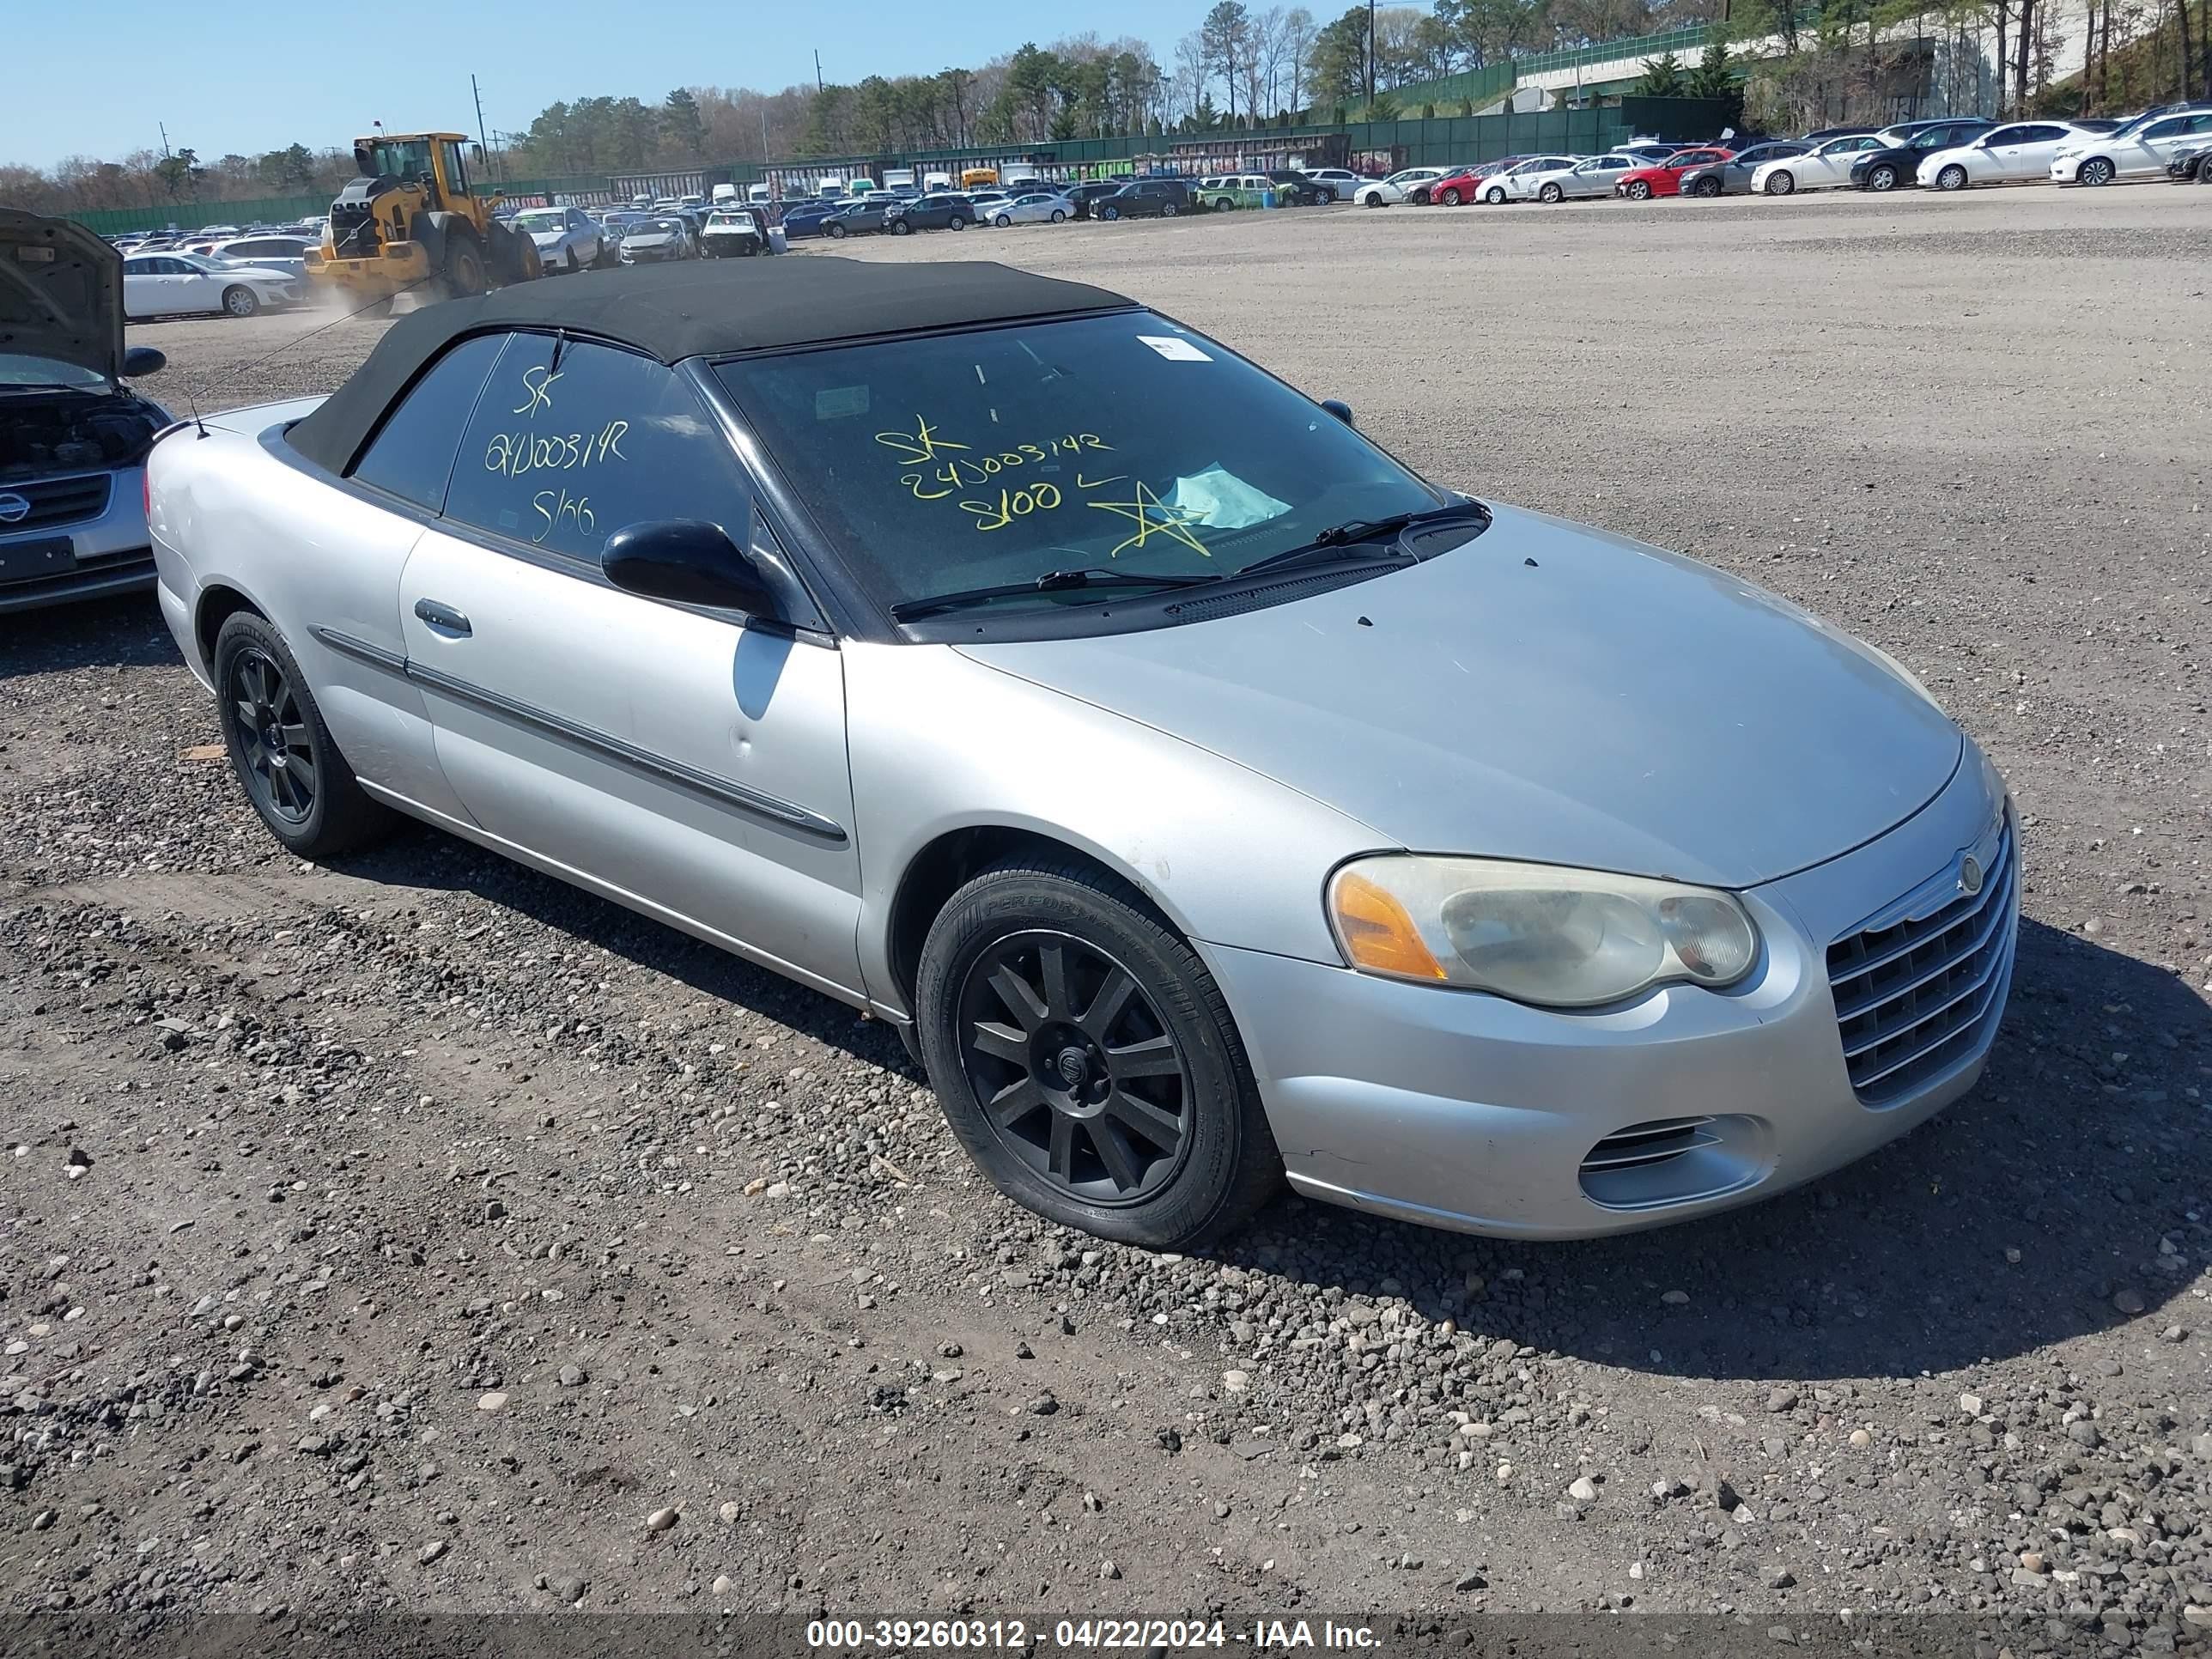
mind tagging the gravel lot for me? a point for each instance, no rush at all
(421, 1234)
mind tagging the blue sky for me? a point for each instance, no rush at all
(92, 77)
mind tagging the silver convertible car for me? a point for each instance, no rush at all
(1205, 797)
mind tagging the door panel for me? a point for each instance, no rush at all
(691, 763)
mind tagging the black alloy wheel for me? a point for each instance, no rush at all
(281, 773)
(298, 784)
(1079, 1075)
(1709, 187)
(1086, 1060)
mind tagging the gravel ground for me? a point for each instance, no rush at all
(421, 1234)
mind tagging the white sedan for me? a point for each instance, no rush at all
(567, 238)
(2001, 155)
(2140, 149)
(172, 284)
(1822, 167)
(1407, 184)
(1039, 207)
(1539, 178)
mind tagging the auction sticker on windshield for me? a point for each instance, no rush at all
(1175, 350)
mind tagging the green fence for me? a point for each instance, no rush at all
(191, 216)
(1687, 41)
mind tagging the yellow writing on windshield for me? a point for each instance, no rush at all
(917, 447)
(953, 467)
(1172, 522)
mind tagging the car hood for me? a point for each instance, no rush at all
(1545, 692)
(61, 293)
(542, 237)
(649, 238)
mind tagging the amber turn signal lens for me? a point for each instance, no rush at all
(1377, 934)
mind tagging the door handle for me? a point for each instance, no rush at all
(443, 617)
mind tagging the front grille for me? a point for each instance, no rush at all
(1659, 1141)
(56, 501)
(1915, 997)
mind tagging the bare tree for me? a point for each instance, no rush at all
(1263, 63)
(1297, 35)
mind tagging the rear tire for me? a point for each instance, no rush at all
(299, 785)
(1551, 195)
(1168, 209)
(1088, 1062)
(1059, 215)
(956, 222)
(240, 301)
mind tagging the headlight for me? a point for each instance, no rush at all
(1536, 933)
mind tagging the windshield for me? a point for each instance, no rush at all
(730, 221)
(18, 369)
(386, 159)
(958, 461)
(541, 220)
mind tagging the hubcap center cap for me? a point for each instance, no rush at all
(1071, 1069)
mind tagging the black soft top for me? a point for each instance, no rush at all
(695, 309)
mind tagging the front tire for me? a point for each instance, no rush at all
(1495, 195)
(1709, 188)
(1003, 222)
(1882, 177)
(900, 227)
(240, 301)
(283, 753)
(1109, 211)
(1952, 177)
(1639, 190)
(464, 267)
(1087, 1060)
(1781, 184)
(1449, 197)
(836, 233)
(2094, 172)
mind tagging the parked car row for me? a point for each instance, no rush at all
(1947, 153)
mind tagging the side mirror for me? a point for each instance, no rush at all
(1339, 408)
(689, 561)
(142, 360)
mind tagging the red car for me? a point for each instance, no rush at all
(1466, 185)
(1665, 178)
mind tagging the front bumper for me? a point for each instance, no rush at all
(86, 558)
(2063, 169)
(1469, 1112)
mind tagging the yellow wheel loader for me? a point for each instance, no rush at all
(409, 224)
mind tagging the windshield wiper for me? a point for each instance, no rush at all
(1052, 581)
(1332, 542)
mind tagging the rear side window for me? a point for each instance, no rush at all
(411, 455)
(560, 455)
